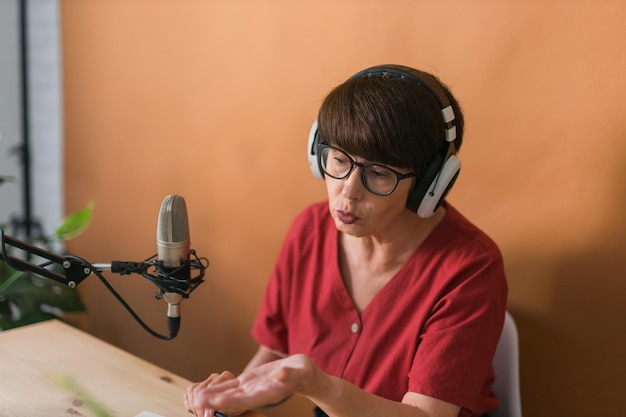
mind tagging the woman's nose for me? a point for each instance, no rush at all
(353, 186)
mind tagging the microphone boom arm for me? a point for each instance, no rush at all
(76, 269)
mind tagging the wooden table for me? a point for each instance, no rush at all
(53, 369)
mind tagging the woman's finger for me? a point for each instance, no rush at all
(192, 398)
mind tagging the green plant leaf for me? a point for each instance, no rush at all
(32, 292)
(26, 298)
(71, 386)
(75, 223)
(8, 278)
(36, 299)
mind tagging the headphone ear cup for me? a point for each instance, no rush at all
(430, 192)
(312, 152)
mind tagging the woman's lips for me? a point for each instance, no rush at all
(347, 217)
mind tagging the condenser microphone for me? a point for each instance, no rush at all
(173, 245)
(176, 269)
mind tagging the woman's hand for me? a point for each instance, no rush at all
(196, 407)
(267, 384)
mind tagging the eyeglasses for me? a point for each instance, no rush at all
(377, 179)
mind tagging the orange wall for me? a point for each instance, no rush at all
(213, 100)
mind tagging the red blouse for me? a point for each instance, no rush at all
(433, 329)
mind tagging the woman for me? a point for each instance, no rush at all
(384, 300)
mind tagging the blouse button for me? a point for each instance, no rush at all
(354, 328)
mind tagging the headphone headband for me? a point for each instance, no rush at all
(425, 80)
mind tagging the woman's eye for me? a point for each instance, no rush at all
(341, 160)
(379, 172)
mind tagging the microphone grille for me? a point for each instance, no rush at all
(173, 224)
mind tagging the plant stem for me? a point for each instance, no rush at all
(14, 277)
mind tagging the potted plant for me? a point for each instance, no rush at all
(26, 298)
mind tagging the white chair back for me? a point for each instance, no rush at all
(506, 367)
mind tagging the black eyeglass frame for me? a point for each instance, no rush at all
(399, 176)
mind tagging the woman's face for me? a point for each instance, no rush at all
(360, 213)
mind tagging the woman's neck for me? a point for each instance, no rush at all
(368, 263)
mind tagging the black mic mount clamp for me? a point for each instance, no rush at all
(169, 280)
(176, 280)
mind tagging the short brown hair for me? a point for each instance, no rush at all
(389, 120)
